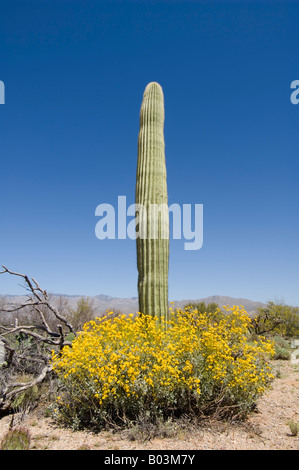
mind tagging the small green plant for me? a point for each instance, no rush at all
(294, 427)
(26, 400)
(281, 353)
(281, 348)
(145, 429)
(84, 447)
(16, 439)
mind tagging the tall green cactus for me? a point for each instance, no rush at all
(151, 194)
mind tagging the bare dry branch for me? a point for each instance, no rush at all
(39, 299)
(5, 399)
(24, 344)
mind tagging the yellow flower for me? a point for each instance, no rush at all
(116, 360)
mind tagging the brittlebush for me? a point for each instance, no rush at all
(119, 368)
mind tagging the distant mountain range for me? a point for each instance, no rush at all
(102, 302)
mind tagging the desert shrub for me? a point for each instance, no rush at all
(276, 319)
(202, 307)
(26, 399)
(16, 439)
(281, 353)
(84, 312)
(281, 348)
(294, 427)
(281, 342)
(120, 368)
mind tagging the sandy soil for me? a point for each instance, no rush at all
(266, 429)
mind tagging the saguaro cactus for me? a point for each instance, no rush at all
(152, 206)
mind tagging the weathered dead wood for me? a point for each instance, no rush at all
(41, 336)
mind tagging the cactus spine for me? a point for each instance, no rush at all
(152, 221)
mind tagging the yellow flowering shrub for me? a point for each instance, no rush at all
(118, 368)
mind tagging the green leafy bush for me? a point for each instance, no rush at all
(276, 318)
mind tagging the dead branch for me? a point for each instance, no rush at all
(6, 397)
(40, 295)
(26, 345)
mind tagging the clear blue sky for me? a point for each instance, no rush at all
(74, 74)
